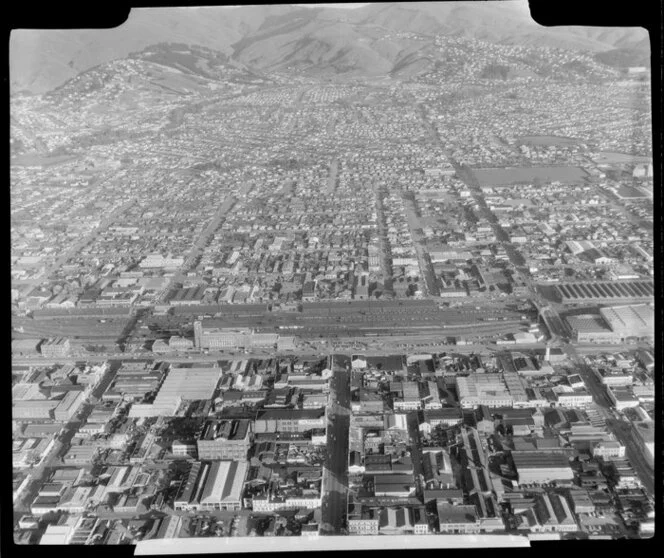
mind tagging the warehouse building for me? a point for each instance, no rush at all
(225, 439)
(213, 486)
(631, 320)
(592, 292)
(231, 338)
(25, 347)
(553, 514)
(483, 389)
(69, 406)
(448, 416)
(55, 348)
(133, 381)
(179, 385)
(457, 519)
(33, 409)
(591, 328)
(394, 485)
(290, 420)
(188, 296)
(540, 467)
(362, 519)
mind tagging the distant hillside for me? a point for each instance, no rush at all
(624, 57)
(374, 39)
(166, 68)
(43, 59)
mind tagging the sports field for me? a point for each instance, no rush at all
(516, 175)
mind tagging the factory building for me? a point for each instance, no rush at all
(542, 467)
(230, 338)
(483, 389)
(606, 292)
(591, 328)
(226, 439)
(631, 320)
(212, 486)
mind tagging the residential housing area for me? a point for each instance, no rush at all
(303, 299)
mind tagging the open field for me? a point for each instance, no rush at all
(36, 159)
(546, 140)
(611, 157)
(501, 177)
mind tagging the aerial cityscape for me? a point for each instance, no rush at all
(288, 271)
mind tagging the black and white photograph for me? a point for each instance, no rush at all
(354, 276)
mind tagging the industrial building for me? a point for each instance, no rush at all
(134, 381)
(25, 347)
(483, 389)
(457, 519)
(290, 420)
(362, 519)
(225, 439)
(394, 485)
(589, 292)
(591, 328)
(540, 467)
(188, 296)
(231, 338)
(34, 409)
(68, 406)
(55, 348)
(631, 320)
(179, 385)
(551, 513)
(214, 485)
(449, 416)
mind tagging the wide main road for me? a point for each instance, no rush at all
(335, 477)
(199, 245)
(621, 429)
(41, 472)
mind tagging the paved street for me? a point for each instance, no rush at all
(332, 178)
(76, 248)
(622, 430)
(428, 282)
(40, 473)
(336, 473)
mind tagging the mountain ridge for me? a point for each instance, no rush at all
(269, 38)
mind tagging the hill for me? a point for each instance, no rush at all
(374, 39)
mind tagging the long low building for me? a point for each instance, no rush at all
(483, 389)
(180, 384)
(542, 467)
(213, 485)
(591, 328)
(228, 439)
(584, 292)
(636, 320)
(394, 485)
(30, 409)
(69, 405)
(290, 420)
(231, 338)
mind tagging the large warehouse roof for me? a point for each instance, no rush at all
(224, 482)
(540, 460)
(190, 383)
(631, 319)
